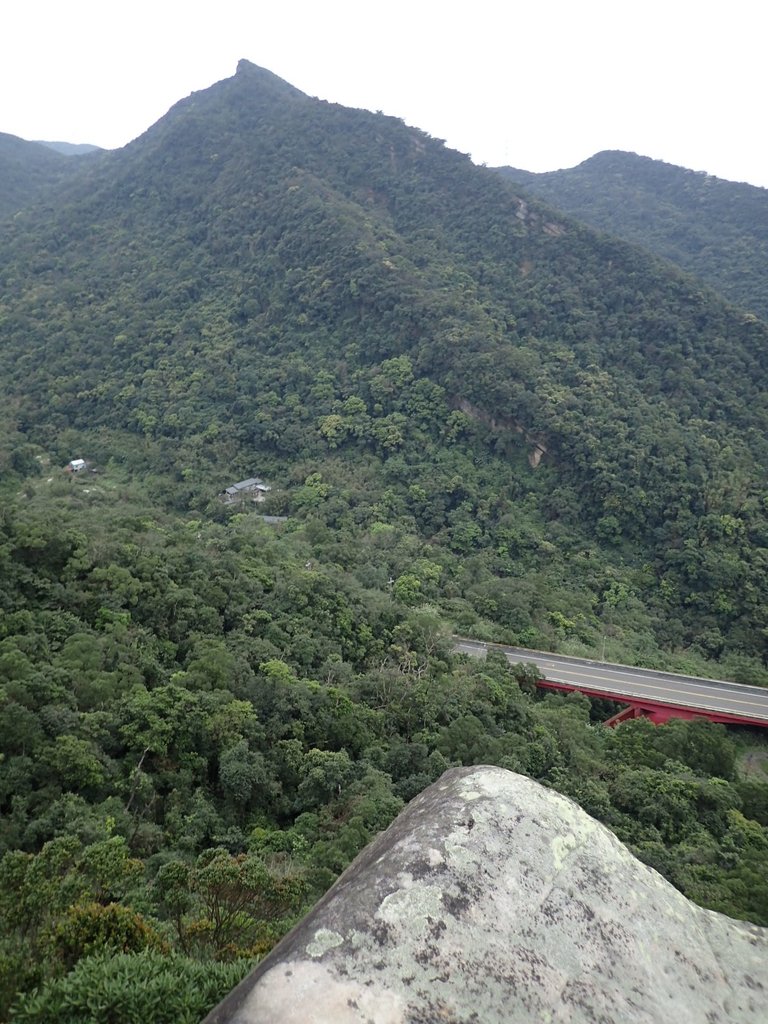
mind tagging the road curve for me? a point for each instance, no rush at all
(715, 695)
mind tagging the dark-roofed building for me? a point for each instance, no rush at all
(253, 489)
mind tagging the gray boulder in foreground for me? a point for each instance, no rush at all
(492, 899)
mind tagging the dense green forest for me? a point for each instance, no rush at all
(714, 229)
(476, 415)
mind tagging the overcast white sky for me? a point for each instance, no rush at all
(539, 84)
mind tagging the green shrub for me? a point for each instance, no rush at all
(131, 988)
(90, 928)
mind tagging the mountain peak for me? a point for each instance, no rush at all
(247, 67)
(247, 70)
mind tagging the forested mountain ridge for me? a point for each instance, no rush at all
(202, 712)
(27, 169)
(235, 280)
(715, 229)
(70, 148)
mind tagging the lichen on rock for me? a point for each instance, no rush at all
(493, 899)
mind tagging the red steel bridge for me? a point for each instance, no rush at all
(646, 693)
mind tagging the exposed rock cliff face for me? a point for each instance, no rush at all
(539, 447)
(492, 899)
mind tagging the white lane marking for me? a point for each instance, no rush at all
(595, 682)
(538, 657)
(714, 684)
(688, 694)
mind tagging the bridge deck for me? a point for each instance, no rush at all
(716, 699)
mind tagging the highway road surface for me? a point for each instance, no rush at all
(749, 702)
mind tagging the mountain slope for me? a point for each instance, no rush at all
(26, 170)
(266, 279)
(715, 229)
